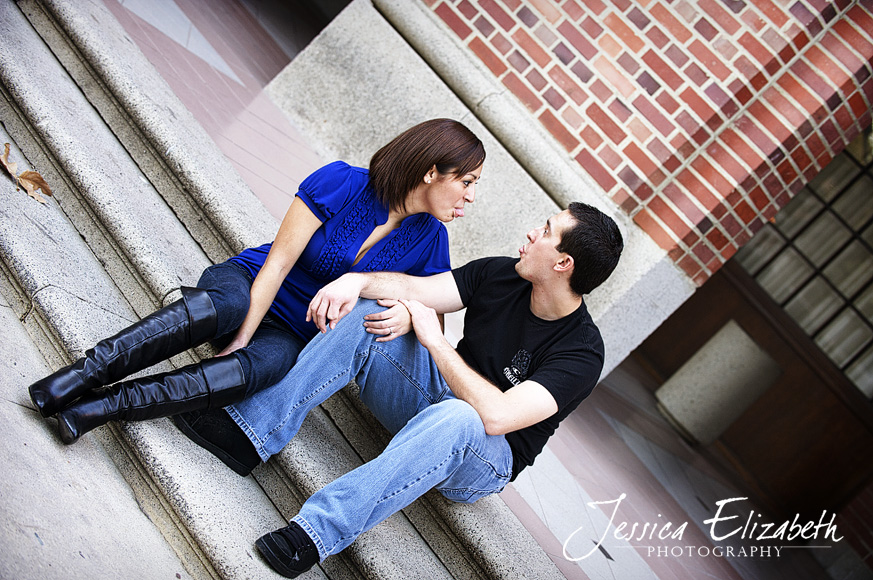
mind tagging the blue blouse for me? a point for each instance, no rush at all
(341, 197)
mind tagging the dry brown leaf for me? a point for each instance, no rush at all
(32, 181)
(10, 166)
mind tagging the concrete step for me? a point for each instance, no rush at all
(66, 512)
(172, 150)
(109, 200)
(144, 205)
(75, 268)
(52, 280)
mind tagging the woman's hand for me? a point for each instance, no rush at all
(237, 343)
(392, 322)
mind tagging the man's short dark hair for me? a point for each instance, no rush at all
(595, 244)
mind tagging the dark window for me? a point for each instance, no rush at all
(816, 260)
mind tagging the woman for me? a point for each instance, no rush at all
(343, 219)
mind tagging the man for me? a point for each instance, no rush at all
(465, 421)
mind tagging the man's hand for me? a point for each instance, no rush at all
(501, 412)
(426, 323)
(334, 301)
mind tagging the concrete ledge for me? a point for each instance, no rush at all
(53, 275)
(54, 271)
(510, 122)
(222, 513)
(358, 84)
(66, 514)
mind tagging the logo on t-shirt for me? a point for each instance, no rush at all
(516, 372)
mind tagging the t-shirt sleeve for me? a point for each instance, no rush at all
(470, 276)
(328, 189)
(569, 376)
(434, 258)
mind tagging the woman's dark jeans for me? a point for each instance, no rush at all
(273, 348)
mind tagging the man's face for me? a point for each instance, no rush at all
(538, 255)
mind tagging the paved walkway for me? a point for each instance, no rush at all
(218, 62)
(616, 444)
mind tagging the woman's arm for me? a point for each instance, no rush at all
(295, 232)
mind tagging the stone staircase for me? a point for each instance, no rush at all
(143, 202)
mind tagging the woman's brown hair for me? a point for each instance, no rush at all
(398, 167)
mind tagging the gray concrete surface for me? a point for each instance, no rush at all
(66, 512)
(86, 154)
(209, 515)
(359, 84)
(718, 384)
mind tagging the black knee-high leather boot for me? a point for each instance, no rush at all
(171, 330)
(210, 384)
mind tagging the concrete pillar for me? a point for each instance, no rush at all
(717, 385)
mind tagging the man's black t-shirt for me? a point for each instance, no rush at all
(504, 342)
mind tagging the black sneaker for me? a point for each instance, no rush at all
(289, 551)
(216, 432)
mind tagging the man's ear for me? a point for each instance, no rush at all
(565, 264)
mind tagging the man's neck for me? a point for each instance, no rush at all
(552, 304)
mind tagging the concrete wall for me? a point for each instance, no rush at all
(371, 74)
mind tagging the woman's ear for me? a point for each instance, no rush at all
(431, 175)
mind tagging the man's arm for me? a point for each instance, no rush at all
(335, 300)
(501, 412)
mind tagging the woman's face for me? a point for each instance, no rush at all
(446, 194)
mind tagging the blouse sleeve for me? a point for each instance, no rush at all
(330, 188)
(434, 257)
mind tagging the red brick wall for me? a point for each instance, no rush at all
(700, 118)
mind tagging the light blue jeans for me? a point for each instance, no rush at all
(438, 440)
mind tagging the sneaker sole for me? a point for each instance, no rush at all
(265, 544)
